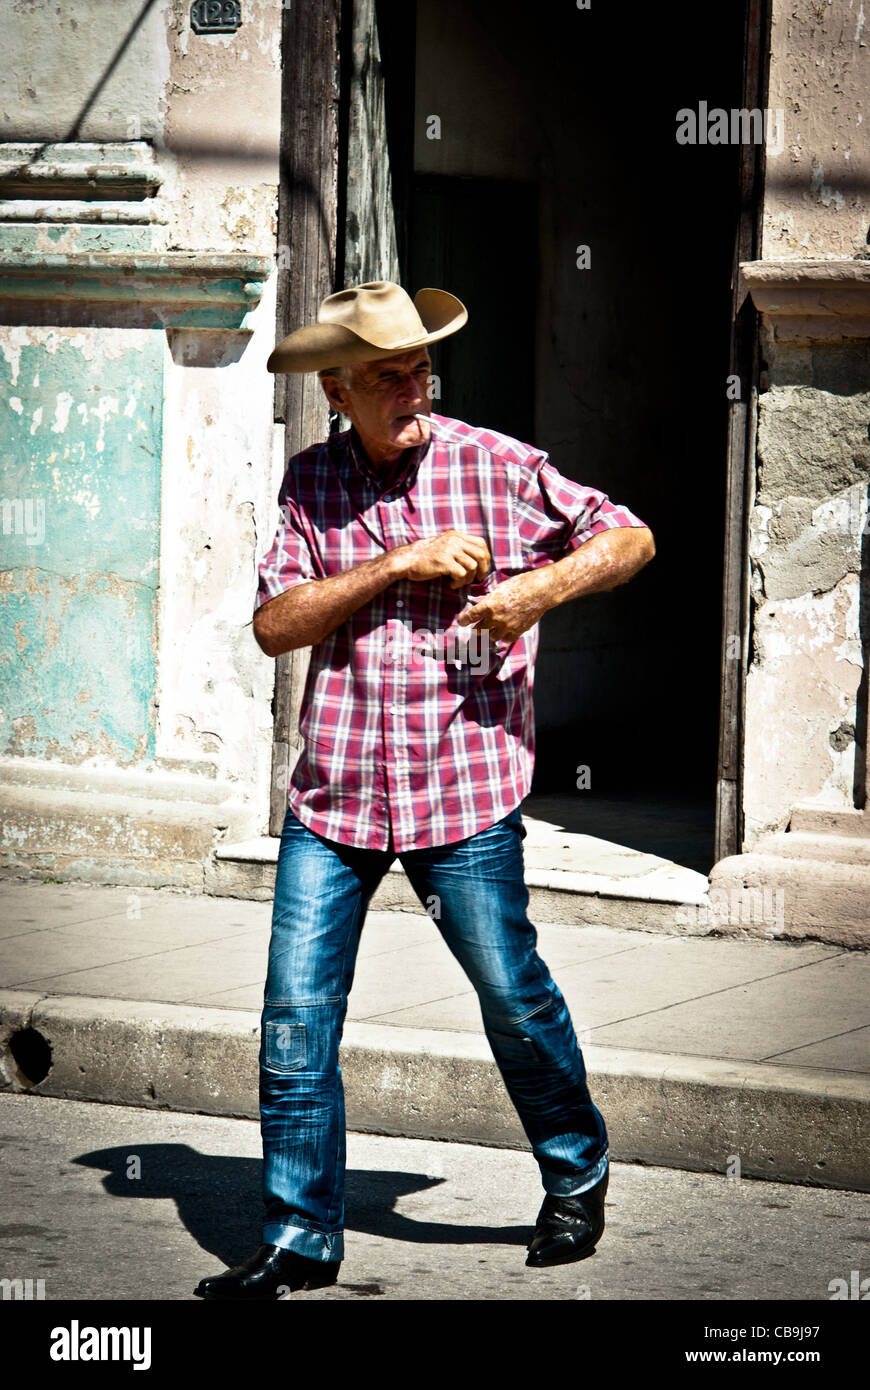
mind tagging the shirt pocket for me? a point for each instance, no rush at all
(485, 586)
(501, 658)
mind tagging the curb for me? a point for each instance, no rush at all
(757, 1120)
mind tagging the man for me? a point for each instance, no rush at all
(408, 546)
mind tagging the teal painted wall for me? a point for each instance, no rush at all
(80, 456)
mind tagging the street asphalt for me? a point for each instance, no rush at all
(112, 1202)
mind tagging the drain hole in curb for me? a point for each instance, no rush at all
(32, 1056)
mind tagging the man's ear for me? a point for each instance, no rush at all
(335, 393)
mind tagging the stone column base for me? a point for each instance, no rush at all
(799, 884)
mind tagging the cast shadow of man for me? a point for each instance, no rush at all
(220, 1203)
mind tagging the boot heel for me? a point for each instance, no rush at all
(328, 1277)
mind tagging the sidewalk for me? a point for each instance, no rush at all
(702, 1052)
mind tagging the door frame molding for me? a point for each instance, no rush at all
(331, 71)
(744, 363)
(308, 222)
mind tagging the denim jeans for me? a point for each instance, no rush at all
(475, 891)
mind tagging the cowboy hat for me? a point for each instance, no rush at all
(367, 322)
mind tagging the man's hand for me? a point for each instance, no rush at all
(465, 558)
(605, 561)
(511, 608)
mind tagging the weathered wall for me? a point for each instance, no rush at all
(57, 84)
(808, 538)
(209, 104)
(82, 428)
(817, 185)
(221, 123)
(807, 532)
(222, 468)
(152, 448)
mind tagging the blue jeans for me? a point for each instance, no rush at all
(475, 891)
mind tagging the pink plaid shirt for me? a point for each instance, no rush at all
(417, 732)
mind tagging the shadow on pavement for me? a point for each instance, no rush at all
(220, 1203)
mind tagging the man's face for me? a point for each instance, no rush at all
(382, 400)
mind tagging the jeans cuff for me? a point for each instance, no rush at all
(567, 1185)
(313, 1244)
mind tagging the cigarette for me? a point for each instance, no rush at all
(461, 439)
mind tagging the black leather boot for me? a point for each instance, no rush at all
(568, 1228)
(271, 1269)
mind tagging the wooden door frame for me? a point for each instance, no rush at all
(319, 197)
(309, 251)
(740, 468)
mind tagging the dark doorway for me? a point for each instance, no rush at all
(546, 175)
(486, 372)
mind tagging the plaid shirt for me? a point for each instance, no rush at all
(415, 733)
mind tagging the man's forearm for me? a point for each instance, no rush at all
(307, 613)
(604, 562)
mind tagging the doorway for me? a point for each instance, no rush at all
(546, 188)
(526, 159)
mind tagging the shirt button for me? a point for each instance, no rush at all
(400, 603)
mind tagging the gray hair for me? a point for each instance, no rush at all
(342, 374)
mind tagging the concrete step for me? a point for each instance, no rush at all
(573, 879)
(103, 826)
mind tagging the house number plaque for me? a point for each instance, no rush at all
(215, 16)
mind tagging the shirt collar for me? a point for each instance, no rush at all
(409, 462)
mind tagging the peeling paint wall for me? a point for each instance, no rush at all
(221, 477)
(808, 525)
(222, 125)
(808, 545)
(127, 630)
(56, 80)
(81, 425)
(208, 103)
(817, 184)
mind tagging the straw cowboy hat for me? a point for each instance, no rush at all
(367, 322)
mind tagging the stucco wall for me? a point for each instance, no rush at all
(153, 449)
(223, 464)
(807, 537)
(82, 427)
(808, 540)
(817, 185)
(208, 103)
